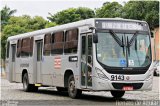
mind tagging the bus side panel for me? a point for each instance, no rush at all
(18, 70)
(26, 63)
(69, 65)
(47, 70)
(31, 70)
(8, 66)
(58, 70)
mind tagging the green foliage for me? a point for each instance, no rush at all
(37, 23)
(22, 24)
(109, 10)
(139, 10)
(50, 24)
(142, 10)
(6, 13)
(19, 25)
(71, 15)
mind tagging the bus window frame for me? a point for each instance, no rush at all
(57, 42)
(45, 51)
(68, 40)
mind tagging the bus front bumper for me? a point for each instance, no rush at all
(107, 85)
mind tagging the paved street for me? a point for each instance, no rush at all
(12, 93)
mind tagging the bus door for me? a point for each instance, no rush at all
(38, 60)
(86, 61)
(13, 50)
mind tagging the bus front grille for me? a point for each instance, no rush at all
(121, 85)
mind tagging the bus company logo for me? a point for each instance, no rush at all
(127, 78)
(57, 62)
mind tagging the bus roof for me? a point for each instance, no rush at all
(89, 22)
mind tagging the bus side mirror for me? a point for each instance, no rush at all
(152, 35)
(95, 38)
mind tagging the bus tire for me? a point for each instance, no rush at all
(61, 89)
(72, 91)
(26, 86)
(117, 94)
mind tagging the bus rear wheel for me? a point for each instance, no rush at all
(117, 94)
(72, 91)
(26, 86)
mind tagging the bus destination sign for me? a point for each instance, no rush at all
(121, 25)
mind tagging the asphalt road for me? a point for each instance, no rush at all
(13, 95)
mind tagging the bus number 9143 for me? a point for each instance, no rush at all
(117, 77)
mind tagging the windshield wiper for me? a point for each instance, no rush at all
(116, 38)
(128, 46)
(123, 46)
(129, 43)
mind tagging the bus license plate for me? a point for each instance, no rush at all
(128, 88)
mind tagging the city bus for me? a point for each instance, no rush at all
(97, 54)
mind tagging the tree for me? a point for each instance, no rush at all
(6, 13)
(142, 10)
(109, 10)
(37, 23)
(71, 15)
(50, 24)
(19, 25)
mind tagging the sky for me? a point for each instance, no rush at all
(43, 7)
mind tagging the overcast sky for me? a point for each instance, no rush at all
(43, 7)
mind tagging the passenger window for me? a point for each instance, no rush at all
(19, 48)
(25, 50)
(83, 52)
(47, 45)
(71, 42)
(57, 43)
(31, 46)
(90, 49)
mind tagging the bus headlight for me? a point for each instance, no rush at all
(101, 74)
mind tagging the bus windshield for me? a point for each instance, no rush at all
(123, 50)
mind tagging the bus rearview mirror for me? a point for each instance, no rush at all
(95, 38)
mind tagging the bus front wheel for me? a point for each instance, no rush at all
(72, 91)
(117, 94)
(26, 86)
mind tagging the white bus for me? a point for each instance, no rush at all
(98, 54)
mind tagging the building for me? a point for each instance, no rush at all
(156, 44)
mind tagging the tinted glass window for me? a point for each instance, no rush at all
(47, 45)
(13, 52)
(71, 42)
(31, 45)
(25, 50)
(57, 43)
(19, 48)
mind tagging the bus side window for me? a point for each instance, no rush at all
(71, 42)
(47, 45)
(83, 48)
(57, 43)
(19, 48)
(8, 45)
(90, 49)
(25, 50)
(31, 46)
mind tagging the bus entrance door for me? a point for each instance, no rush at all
(13, 46)
(39, 61)
(86, 61)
